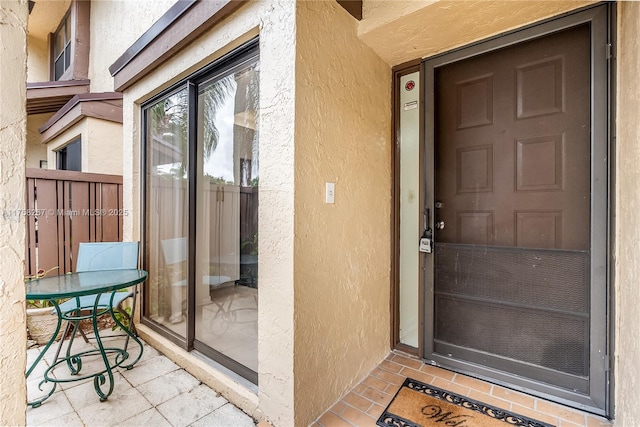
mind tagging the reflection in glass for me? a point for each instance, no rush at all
(227, 215)
(166, 214)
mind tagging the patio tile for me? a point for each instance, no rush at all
(149, 370)
(168, 386)
(124, 402)
(189, 407)
(150, 417)
(38, 371)
(84, 394)
(33, 390)
(148, 352)
(329, 419)
(32, 354)
(67, 386)
(51, 410)
(78, 346)
(227, 415)
(180, 398)
(68, 420)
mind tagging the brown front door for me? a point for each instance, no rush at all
(512, 203)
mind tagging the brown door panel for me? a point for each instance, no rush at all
(513, 145)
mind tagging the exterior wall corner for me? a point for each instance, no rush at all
(342, 250)
(627, 222)
(13, 126)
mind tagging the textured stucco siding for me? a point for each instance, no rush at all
(13, 126)
(342, 250)
(274, 21)
(37, 60)
(116, 25)
(102, 147)
(36, 150)
(627, 268)
(424, 28)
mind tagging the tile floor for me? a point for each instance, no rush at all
(156, 392)
(363, 405)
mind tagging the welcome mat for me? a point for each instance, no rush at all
(420, 405)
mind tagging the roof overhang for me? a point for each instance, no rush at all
(104, 106)
(49, 97)
(180, 25)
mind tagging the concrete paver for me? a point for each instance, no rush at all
(156, 392)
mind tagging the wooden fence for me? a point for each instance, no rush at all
(248, 217)
(65, 208)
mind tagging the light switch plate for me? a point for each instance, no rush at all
(330, 192)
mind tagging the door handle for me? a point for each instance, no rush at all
(439, 225)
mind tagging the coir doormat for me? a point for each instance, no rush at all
(420, 405)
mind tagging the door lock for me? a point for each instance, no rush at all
(439, 225)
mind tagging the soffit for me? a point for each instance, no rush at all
(45, 17)
(424, 28)
(49, 97)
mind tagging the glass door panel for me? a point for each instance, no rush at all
(226, 215)
(166, 209)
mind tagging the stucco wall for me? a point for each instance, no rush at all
(38, 60)
(13, 123)
(101, 147)
(116, 25)
(627, 270)
(342, 250)
(401, 34)
(36, 151)
(275, 22)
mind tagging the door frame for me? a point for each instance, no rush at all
(600, 19)
(241, 55)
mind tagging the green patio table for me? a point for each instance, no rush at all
(76, 285)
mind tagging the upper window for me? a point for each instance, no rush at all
(70, 157)
(62, 48)
(69, 44)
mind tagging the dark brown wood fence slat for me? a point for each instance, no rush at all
(94, 224)
(65, 244)
(31, 260)
(47, 223)
(79, 220)
(110, 217)
(70, 208)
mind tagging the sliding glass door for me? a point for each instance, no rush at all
(201, 212)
